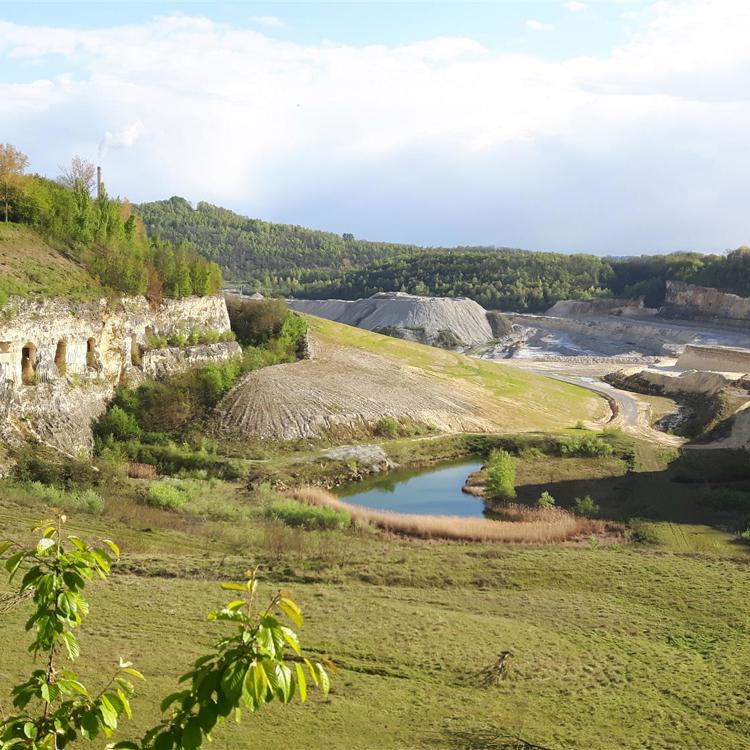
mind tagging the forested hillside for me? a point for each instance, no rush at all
(292, 260)
(96, 234)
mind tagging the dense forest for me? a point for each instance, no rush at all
(101, 233)
(290, 260)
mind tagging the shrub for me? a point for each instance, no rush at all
(545, 500)
(387, 428)
(84, 501)
(292, 513)
(501, 475)
(164, 495)
(586, 507)
(118, 424)
(589, 446)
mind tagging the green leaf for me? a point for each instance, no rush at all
(113, 547)
(325, 683)
(132, 672)
(13, 562)
(71, 645)
(284, 684)
(125, 703)
(208, 716)
(236, 604)
(231, 681)
(313, 671)
(291, 638)
(171, 698)
(102, 560)
(29, 730)
(191, 734)
(234, 586)
(301, 682)
(107, 712)
(78, 543)
(165, 741)
(4, 547)
(291, 610)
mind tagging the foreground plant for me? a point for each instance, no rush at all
(53, 708)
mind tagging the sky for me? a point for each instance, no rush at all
(604, 126)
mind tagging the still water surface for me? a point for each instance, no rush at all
(432, 491)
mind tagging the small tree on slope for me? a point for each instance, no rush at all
(501, 475)
(53, 708)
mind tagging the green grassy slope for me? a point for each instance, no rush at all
(513, 399)
(29, 266)
(613, 649)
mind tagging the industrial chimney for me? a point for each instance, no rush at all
(98, 182)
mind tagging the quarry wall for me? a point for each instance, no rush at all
(689, 300)
(716, 358)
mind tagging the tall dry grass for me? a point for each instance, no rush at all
(529, 525)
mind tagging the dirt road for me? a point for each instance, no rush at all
(629, 412)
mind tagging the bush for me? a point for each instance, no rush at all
(501, 475)
(586, 507)
(34, 464)
(83, 501)
(545, 500)
(293, 513)
(588, 446)
(118, 424)
(387, 428)
(164, 495)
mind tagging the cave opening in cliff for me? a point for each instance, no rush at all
(61, 356)
(28, 363)
(91, 353)
(135, 351)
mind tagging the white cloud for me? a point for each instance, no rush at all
(268, 22)
(575, 6)
(536, 25)
(436, 141)
(123, 138)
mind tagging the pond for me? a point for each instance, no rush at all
(432, 491)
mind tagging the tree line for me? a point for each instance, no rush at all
(102, 233)
(281, 259)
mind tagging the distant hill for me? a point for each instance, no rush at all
(246, 248)
(292, 260)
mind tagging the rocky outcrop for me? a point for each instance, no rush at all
(60, 361)
(571, 308)
(160, 363)
(446, 321)
(669, 383)
(688, 300)
(715, 358)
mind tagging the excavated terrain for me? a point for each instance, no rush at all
(347, 388)
(343, 389)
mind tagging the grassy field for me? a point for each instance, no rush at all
(28, 266)
(628, 646)
(513, 399)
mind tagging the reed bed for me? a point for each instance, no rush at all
(530, 525)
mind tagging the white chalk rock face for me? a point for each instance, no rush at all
(423, 319)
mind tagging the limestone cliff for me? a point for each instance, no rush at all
(688, 300)
(60, 361)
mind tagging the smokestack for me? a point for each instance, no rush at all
(98, 182)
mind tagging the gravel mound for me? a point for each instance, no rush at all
(419, 318)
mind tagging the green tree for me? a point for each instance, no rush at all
(13, 164)
(501, 475)
(53, 708)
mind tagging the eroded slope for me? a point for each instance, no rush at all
(357, 378)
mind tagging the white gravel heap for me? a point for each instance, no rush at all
(420, 318)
